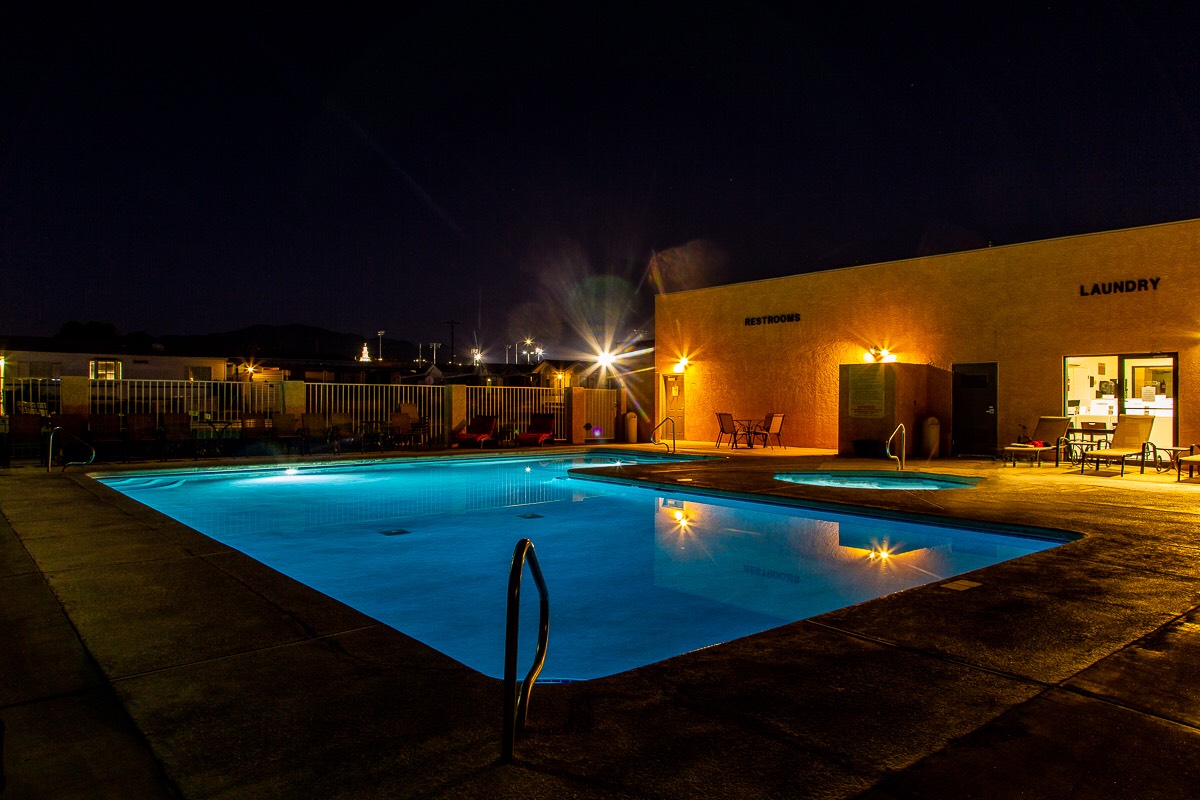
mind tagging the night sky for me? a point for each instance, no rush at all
(204, 168)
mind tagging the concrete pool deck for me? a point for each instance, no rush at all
(142, 659)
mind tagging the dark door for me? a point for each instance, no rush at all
(974, 397)
(673, 404)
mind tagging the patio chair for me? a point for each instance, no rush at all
(177, 435)
(772, 425)
(1131, 437)
(344, 433)
(727, 427)
(141, 434)
(1050, 434)
(27, 432)
(284, 431)
(482, 429)
(254, 433)
(400, 430)
(107, 436)
(540, 430)
(1192, 460)
(313, 430)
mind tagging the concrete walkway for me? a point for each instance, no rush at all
(142, 659)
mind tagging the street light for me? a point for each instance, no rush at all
(381, 333)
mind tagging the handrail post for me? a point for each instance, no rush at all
(516, 707)
(50, 450)
(672, 447)
(903, 446)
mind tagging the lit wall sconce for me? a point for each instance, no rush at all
(878, 355)
(681, 364)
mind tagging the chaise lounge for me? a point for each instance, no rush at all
(540, 430)
(1050, 434)
(482, 429)
(1131, 437)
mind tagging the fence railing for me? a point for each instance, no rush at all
(205, 400)
(513, 405)
(32, 396)
(368, 404)
(374, 403)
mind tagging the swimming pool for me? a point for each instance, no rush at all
(636, 575)
(876, 479)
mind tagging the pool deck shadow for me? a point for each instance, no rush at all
(143, 659)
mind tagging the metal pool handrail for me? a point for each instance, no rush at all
(903, 446)
(670, 447)
(516, 708)
(50, 451)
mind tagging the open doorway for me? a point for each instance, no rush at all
(1098, 388)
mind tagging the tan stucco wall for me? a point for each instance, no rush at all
(1019, 306)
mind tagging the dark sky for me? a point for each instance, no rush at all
(203, 168)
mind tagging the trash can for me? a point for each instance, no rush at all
(631, 428)
(931, 437)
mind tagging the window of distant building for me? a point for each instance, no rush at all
(199, 373)
(104, 370)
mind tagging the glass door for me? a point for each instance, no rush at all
(1098, 388)
(1148, 387)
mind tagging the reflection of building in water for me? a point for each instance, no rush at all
(790, 565)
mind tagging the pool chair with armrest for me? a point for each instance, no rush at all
(1131, 437)
(727, 427)
(313, 430)
(1050, 435)
(1192, 460)
(344, 433)
(763, 431)
(400, 430)
(540, 430)
(285, 431)
(482, 429)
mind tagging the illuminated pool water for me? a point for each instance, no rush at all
(635, 575)
(874, 479)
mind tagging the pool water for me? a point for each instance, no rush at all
(873, 479)
(635, 575)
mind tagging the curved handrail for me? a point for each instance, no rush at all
(670, 447)
(516, 708)
(903, 446)
(50, 450)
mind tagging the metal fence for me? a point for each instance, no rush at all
(223, 401)
(513, 405)
(32, 396)
(374, 403)
(600, 413)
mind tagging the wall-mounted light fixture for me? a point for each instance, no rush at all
(681, 364)
(878, 355)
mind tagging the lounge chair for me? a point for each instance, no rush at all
(1049, 435)
(727, 427)
(482, 429)
(313, 430)
(1131, 437)
(141, 434)
(284, 431)
(254, 432)
(344, 433)
(540, 430)
(106, 435)
(27, 432)
(177, 434)
(772, 425)
(1192, 459)
(400, 430)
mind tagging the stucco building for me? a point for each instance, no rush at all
(986, 341)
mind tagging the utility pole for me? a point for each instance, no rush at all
(381, 333)
(506, 352)
(433, 346)
(452, 323)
